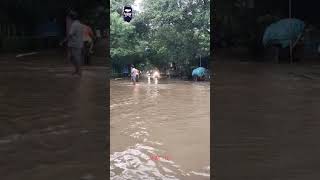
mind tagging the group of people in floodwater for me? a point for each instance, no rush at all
(80, 39)
(135, 74)
(198, 74)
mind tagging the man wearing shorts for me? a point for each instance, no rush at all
(75, 42)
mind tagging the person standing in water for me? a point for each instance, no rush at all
(125, 71)
(75, 42)
(134, 74)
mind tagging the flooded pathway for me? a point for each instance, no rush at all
(160, 131)
(52, 124)
(266, 121)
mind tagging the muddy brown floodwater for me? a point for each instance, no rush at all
(266, 121)
(52, 124)
(160, 131)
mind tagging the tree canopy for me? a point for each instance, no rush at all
(164, 31)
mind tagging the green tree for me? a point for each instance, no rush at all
(123, 41)
(165, 31)
(179, 30)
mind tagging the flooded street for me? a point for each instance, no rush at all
(160, 131)
(266, 121)
(52, 124)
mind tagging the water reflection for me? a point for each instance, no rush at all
(152, 80)
(168, 120)
(149, 80)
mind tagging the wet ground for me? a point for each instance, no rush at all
(266, 121)
(52, 124)
(160, 131)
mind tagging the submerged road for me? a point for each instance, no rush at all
(52, 124)
(160, 130)
(266, 121)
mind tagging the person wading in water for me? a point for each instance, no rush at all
(134, 74)
(75, 42)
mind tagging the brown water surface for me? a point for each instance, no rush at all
(170, 119)
(52, 124)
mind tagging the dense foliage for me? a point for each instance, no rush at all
(164, 31)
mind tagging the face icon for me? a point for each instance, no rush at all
(127, 13)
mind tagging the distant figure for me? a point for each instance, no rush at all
(199, 74)
(88, 38)
(125, 71)
(134, 74)
(75, 43)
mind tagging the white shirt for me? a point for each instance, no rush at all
(134, 72)
(76, 35)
